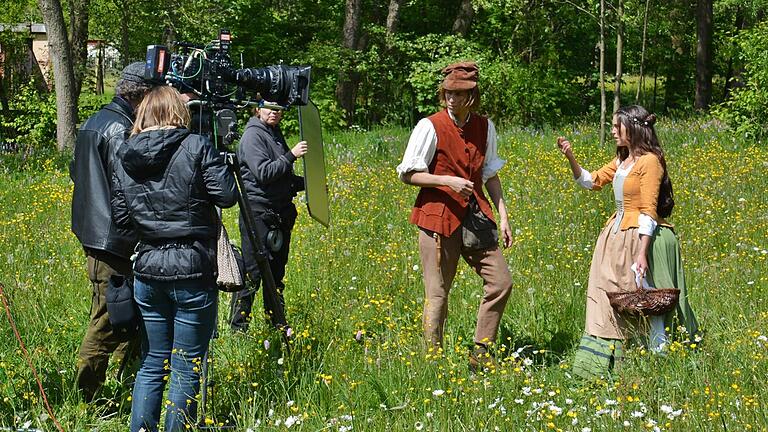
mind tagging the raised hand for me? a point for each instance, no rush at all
(565, 146)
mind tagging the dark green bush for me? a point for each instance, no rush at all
(32, 119)
(29, 129)
(746, 111)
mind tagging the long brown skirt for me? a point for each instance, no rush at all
(611, 272)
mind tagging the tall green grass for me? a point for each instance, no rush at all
(354, 295)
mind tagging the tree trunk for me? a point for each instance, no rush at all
(393, 16)
(602, 73)
(5, 66)
(704, 16)
(64, 78)
(463, 18)
(347, 83)
(641, 84)
(619, 55)
(100, 70)
(169, 34)
(655, 81)
(170, 21)
(733, 79)
(78, 30)
(125, 41)
(3, 96)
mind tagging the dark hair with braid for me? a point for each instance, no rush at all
(642, 137)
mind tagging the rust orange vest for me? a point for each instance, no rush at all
(460, 152)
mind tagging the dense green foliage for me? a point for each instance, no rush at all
(746, 110)
(354, 296)
(31, 125)
(33, 119)
(538, 58)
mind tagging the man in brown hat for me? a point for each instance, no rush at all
(450, 156)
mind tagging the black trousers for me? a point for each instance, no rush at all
(241, 305)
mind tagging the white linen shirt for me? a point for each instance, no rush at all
(423, 144)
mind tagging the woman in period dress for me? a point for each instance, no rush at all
(636, 248)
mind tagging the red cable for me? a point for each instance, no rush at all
(27, 358)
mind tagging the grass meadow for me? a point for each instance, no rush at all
(355, 295)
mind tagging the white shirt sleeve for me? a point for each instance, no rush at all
(585, 179)
(492, 163)
(646, 224)
(420, 150)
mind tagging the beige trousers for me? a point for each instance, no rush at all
(439, 259)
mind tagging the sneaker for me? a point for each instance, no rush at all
(481, 360)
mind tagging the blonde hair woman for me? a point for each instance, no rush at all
(164, 110)
(167, 184)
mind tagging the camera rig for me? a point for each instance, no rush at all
(220, 89)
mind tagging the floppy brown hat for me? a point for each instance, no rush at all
(460, 76)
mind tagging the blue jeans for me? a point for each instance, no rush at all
(178, 319)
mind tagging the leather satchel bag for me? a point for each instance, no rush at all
(229, 260)
(478, 232)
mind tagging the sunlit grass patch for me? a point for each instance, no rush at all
(355, 296)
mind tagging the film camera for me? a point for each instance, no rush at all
(220, 88)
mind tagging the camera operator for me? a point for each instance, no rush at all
(107, 247)
(266, 164)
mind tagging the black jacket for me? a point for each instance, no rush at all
(166, 187)
(266, 164)
(96, 147)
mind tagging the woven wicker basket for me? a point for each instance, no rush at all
(645, 301)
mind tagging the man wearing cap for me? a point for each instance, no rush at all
(107, 248)
(450, 156)
(266, 165)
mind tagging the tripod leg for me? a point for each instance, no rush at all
(241, 306)
(260, 253)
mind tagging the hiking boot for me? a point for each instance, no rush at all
(481, 360)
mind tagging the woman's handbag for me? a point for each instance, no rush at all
(121, 308)
(229, 260)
